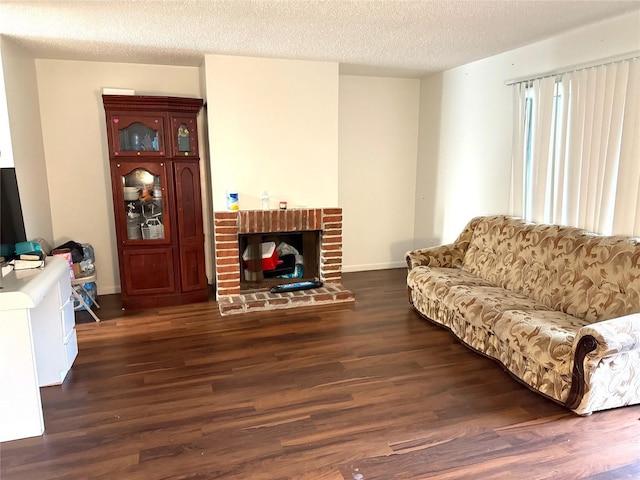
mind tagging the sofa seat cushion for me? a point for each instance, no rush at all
(545, 337)
(435, 282)
(480, 305)
(429, 284)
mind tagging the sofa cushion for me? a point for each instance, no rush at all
(567, 269)
(434, 282)
(545, 337)
(429, 284)
(603, 280)
(480, 305)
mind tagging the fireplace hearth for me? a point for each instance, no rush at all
(235, 295)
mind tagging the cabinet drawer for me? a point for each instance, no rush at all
(70, 353)
(68, 318)
(65, 290)
(71, 347)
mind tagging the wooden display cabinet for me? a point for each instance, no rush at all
(155, 181)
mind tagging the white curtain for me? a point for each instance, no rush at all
(583, 165)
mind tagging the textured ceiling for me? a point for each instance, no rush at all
(409, 38)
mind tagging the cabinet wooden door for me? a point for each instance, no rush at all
(189, 225)
(148, 271)
(192, 271)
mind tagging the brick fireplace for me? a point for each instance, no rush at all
(229, 225)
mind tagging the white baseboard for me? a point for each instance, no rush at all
(107, 290)
(373, 266)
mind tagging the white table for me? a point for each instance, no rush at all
(38, 343)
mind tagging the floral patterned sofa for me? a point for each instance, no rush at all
(558, 307)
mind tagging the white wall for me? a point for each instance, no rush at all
(26, 140)
(378, 140)
(75, 143)
(466, 124)
(273, 125)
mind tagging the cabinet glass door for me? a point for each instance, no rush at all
(139, 136)
(184, 136)
(144, 204)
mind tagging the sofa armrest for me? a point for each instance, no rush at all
(449, 255)
(621, 334)
(597, 341)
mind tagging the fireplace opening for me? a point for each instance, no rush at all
(298, 258)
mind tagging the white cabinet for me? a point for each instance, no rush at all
(38, 343)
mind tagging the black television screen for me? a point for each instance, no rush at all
(11, 220)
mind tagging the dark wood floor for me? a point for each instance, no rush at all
(370, 392)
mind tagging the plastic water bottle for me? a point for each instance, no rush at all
(265, 200)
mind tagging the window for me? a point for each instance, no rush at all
(576, 149)
(554, 153)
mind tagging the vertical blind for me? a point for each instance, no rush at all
(576, 154)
